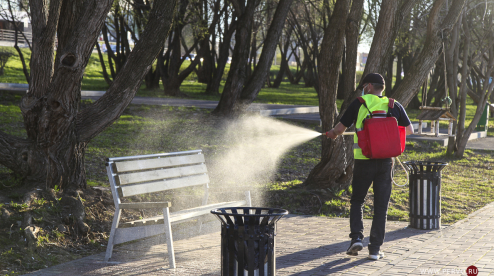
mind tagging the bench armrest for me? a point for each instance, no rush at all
(145, 205)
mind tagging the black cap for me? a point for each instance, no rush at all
(373, 78)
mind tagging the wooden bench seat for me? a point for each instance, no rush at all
(149, 174)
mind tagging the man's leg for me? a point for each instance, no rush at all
(382, 192)
(363, 173)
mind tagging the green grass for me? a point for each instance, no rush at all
(467, 184)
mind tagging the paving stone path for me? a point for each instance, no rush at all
(309, 245)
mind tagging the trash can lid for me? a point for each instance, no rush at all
(250, 211)
(424, 166)
(249, 215)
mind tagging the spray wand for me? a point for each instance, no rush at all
(344, 133)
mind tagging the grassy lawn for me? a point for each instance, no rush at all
(467, 184)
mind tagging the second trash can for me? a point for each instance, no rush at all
(247, 240)
(425, 194)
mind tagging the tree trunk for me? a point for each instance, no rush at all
(103, 66)
(238, 68)
(205, 70)
(391, 16)
(309, 80)
(152, 78)
(284, 63)
(171, 76)
(326, 173)
(487, 85)
(434, 84)
(252, 88)
(452, 58)
(399, 69)
(388, 77)
(58, 132)
(430, 52)
(213, 87)
(352, 35)
(463, 87)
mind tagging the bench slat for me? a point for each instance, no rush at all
(131, 190)
(161, 174)
(145, 205)
(206, 209)
(188, 213)
(146, 164)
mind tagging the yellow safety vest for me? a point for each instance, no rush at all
(374, 103)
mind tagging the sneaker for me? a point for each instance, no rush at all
(355, 247)
(375, 255)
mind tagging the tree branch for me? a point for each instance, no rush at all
(95, 118)
(410, 85)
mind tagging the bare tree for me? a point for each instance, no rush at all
(226, 28)
(431, 49)
(58, 131)
(235, 97)
(477, 66)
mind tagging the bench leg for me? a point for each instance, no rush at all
(114, 226)
(169, 237)
(247, 198)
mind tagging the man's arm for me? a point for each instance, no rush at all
(337, 130)
(409, 129)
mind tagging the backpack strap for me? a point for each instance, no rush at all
(361, 100)
(391, 103)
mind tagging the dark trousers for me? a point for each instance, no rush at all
(377, 171)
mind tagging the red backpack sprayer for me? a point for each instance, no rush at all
(381, 137)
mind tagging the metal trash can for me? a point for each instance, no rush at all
(247, 240)
(425, 194)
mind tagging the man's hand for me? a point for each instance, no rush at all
(337, 130)
(330, 134)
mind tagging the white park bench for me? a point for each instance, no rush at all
(144, 174)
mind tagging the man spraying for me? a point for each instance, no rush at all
(367, 170)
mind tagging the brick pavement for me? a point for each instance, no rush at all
(308, 245)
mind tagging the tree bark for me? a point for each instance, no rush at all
(352, 35)
(463, 86)
(326, 173)
(452, 58)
